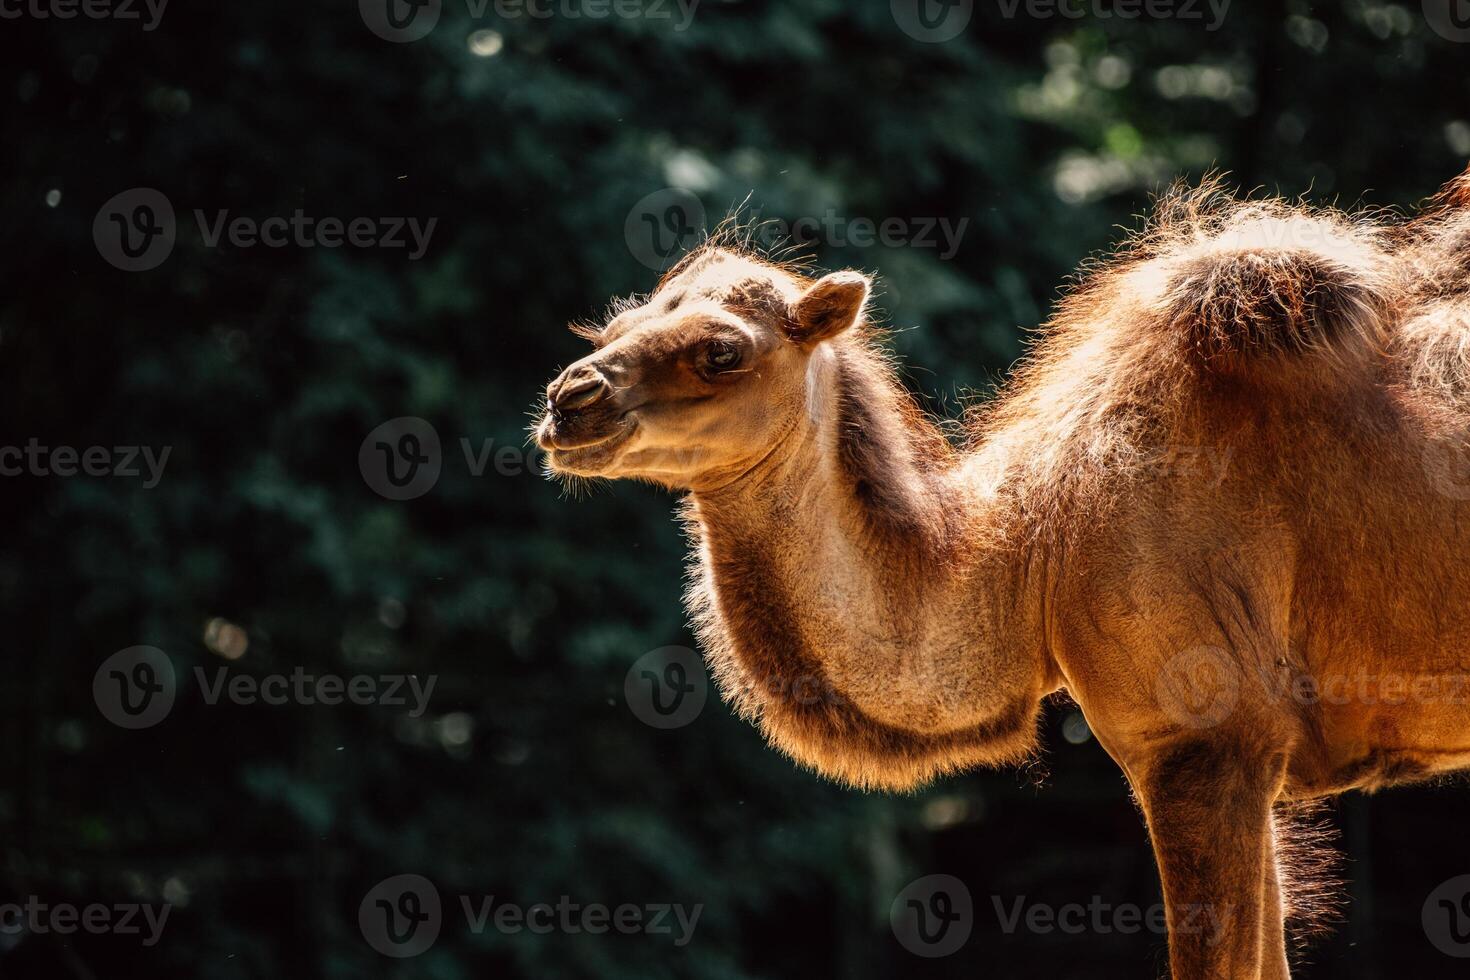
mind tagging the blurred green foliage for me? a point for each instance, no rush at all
(264, 368)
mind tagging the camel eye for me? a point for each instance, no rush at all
(721, 356)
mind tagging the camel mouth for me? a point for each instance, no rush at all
(585, 456)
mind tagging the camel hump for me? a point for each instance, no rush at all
(1273, 283)
(1452, 197)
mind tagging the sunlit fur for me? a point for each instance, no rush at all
(1234, 460)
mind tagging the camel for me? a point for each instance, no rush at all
(1223, 504)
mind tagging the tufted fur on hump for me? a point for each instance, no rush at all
(1245, 289)
(1437, 244)
(1255, 299)
(1453, 197)
(1432, 347)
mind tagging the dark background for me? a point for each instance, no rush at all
(529, 777)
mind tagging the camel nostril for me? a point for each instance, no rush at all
(575, 394)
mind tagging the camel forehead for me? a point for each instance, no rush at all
(724, 276)
(713, 281)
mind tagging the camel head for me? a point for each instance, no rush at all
(695, 384)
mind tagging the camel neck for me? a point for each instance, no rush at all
(861, 461)
(851, 563)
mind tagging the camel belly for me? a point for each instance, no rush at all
(1386, 745)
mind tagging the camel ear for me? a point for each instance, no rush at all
(832, 304)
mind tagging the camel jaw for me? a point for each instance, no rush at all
(594, 458)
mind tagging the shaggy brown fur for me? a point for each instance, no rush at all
(1224, 504)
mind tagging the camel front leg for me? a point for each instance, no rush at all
(1274, 964)
(1208, 807)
